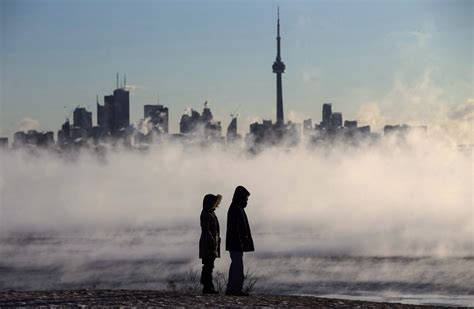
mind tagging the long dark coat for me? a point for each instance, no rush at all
(210, 241)
(238, 235)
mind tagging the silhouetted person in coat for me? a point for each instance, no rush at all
(238, 240)
(210, 241)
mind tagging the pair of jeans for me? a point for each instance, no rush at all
(236, 272)
(206, 273)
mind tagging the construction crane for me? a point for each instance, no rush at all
(235, 114)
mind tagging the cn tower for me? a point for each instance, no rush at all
(278, 69)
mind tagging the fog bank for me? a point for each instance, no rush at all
(409, 200)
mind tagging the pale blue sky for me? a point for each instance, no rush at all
(401, 58)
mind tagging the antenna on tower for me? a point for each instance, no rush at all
(117, 80)
(125, 80)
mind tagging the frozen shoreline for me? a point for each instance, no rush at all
(86, 297)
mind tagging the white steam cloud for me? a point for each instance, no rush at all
(412, 200)
(27, 123)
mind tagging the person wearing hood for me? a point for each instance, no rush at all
(210, 241)
(238, 240)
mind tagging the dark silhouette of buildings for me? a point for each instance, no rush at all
(232, 136)
(158, 116)
(330, 120)
(189, 122)
(331, 129)
(206, 114)
(33, 138)
(113, 125)
(279, 68)
(64, 135)
(336, 120)
(350, 124)
(79, 132)
(327, 113)
(200, 127)
(82, 118)
(114, 115)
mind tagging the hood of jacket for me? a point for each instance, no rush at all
(240, 196)
(210, 202)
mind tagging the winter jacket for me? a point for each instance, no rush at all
(210, 241)
(238, 235)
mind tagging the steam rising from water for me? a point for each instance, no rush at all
(413, 201)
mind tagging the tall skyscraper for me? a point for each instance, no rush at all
(82, 118)
(114, 115)
(121, 110)
(327, 112)
(278, 69)
(232, 135)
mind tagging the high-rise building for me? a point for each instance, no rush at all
(158, 115)
(336, 120)
(121, 109)
(206, 114)
(327, 112)
(100, 114)
(189, 122)
(232, 134)
(82, 118)
(279, 68)
(114, 115)
(64, 135)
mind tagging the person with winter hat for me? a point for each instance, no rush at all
(238, 240)
(210, 241)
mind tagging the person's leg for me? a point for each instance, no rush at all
(235, 281)
(206, 274)
(230, 280)
(211, 268)
(240, 271)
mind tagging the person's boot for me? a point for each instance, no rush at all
(209, 287)
(236, 293)
(209, 290)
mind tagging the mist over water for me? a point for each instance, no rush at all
(340, 219)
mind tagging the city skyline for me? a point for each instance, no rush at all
(441, 77)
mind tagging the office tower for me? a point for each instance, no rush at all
(327, 112)
(121, 110)
(336, 120)
(82, 118)
(114, 115)
(232, 135)
(206, 114)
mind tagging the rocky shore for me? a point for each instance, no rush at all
(151, 298)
